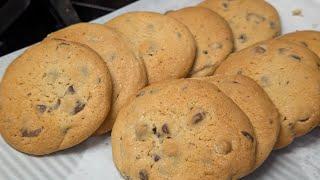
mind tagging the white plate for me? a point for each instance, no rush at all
(93, 158)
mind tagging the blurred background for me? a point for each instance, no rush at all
(24, 22)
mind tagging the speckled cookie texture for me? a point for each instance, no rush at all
(257, 105)
(165, 45)
(53, 97)
(127, 73)
(183, 129)
(309, 39)
(213, 37)
(251, 21)
(290, 77)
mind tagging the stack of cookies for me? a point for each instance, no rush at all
(204, 92)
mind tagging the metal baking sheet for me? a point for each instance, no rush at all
(92, 159)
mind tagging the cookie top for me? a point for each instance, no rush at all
(310, 39)
(291, 83)
(53, 97)
(256, 104)
(165, 45)
(182, 129)
(251, 21)
(213, 37)
(127, 73)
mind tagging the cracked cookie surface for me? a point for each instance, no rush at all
(165, 45)
(127, 73)
(213, 38)
(251, 21)
(183, 129)
(53, 96)
(289, 74)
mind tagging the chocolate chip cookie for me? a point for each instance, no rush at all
(127, 73)
(165, 45)
(251, 21)
(256, 104)
(309, 39)
(213, 37)
(182, 129)
(290, 77)
(53, 97)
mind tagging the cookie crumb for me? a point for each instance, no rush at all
(297, 12)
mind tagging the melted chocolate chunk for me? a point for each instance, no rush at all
(247, 135)
(79, 107)
(295, 57)
(260, 50)
(165, 128)
(156, 158)
(30, 133)
(198, 117)
(243, 38)
(70, 90)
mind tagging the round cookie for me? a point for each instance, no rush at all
(291, 83)
(310, 39)
(251, 21)
(183, 129)
(256, 104)
(127, 73)
(165, 45)
(213, 37)
(53, 97)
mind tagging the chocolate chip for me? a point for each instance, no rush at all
(272, 25)
(30, 133)
(41, 108)
(79, 107)
(143, 175)
(255, 17)
(70, 90)
(282, 50)
(287, 82)
(260, 50)
(295, 57)
(141, 93)
(242, 38)
(179, 35)
(154, 130)
(198, 117)
(29, 94)
(165, 128)
(235, 82)
(205, 51)
(225, 5)
(239, 72)
(156, 158)
(264, 81)
(247, 135)
(304, 120)
(285, 118)
(65, 130)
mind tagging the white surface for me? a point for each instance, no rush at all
(93, 158)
